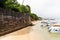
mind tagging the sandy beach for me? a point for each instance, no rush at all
(35, 32)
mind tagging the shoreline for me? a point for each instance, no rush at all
(13, 30)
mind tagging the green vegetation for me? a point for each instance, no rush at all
(14, 5)
(34, 16)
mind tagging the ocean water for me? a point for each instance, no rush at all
(57, 20)
(41, 33)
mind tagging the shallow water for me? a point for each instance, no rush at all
(41, 33)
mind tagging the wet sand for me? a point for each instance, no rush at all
(22, 34)
(35, 32)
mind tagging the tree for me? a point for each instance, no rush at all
(23, 9)
(28, 8)
(22, 2)
(14, 5)
(2, 3)
(34, 16)
(10, 3)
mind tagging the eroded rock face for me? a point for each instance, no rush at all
(10, 21)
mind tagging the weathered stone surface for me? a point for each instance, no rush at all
(11, 21)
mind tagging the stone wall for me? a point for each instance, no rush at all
(11, 20)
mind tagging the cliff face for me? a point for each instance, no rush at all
(11, 20)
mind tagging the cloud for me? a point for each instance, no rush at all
(45, 8)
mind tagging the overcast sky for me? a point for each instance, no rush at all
(44, 8)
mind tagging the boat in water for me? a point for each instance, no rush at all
(54, 28)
